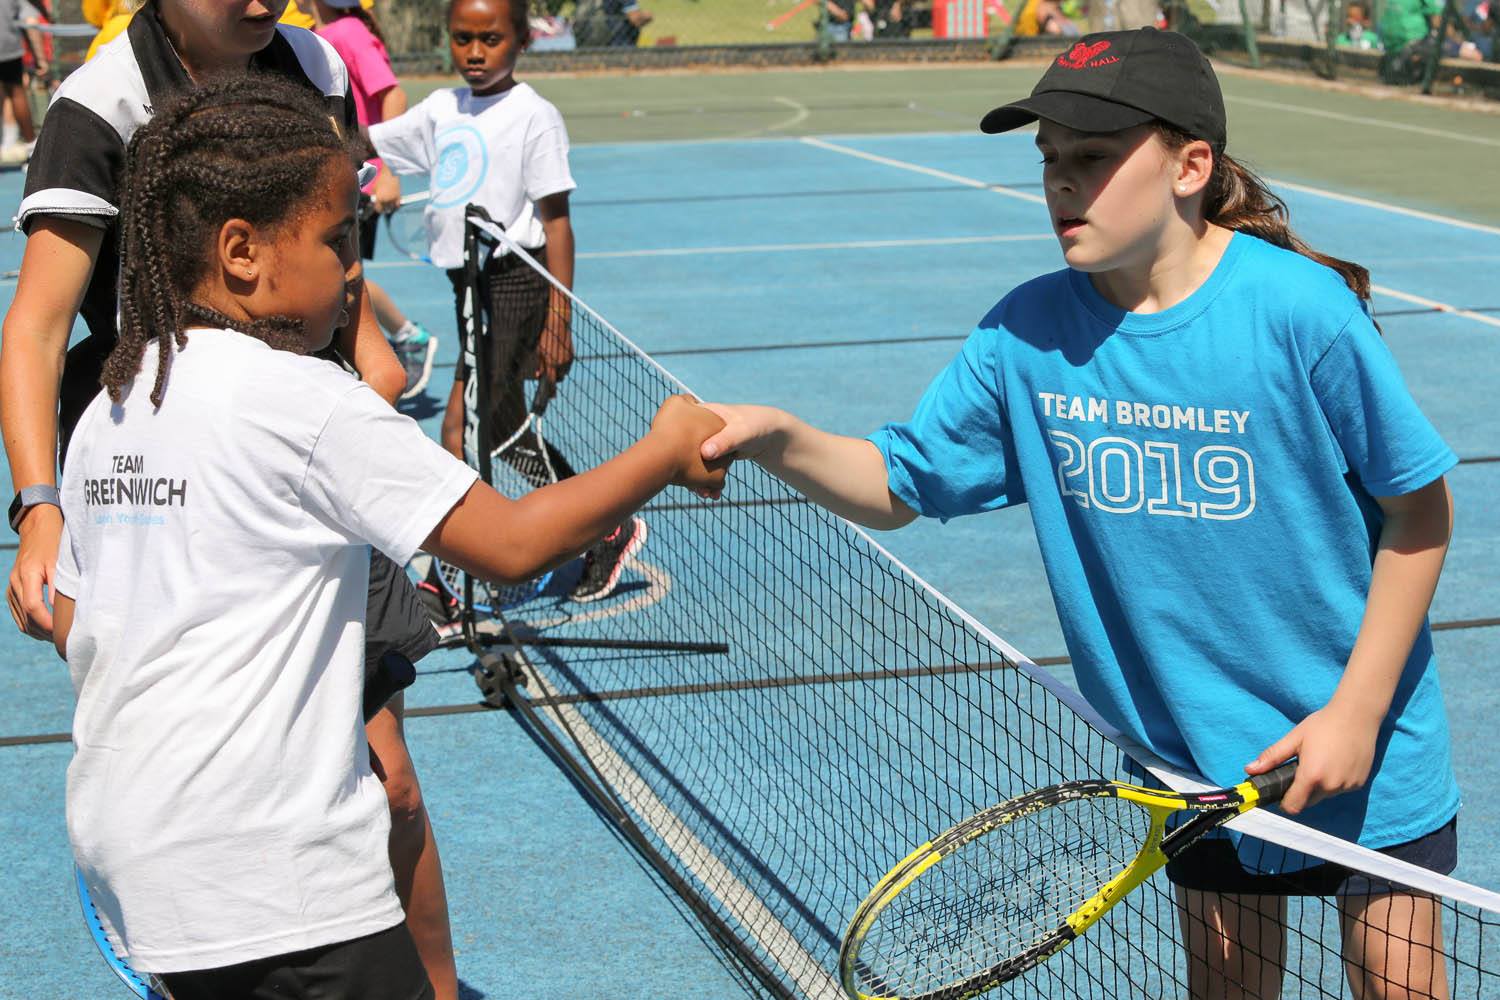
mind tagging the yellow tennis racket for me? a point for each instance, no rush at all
(1011, 886)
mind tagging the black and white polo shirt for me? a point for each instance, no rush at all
(77, 169)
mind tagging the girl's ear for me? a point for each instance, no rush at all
(240, 252)
(1195, 166)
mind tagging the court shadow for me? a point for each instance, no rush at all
(467, 992)
(421, 407)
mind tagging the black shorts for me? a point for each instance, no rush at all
(394, 618)
(1214, 865)
(515, 299)
(379, 966)
(13, 72)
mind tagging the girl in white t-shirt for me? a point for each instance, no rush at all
(501, 145)
(222, 498)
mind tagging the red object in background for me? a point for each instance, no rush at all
(959, 19)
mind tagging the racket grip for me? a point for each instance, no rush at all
(545, 390)
(1272, 785)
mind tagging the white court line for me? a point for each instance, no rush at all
(932, 241)
(1434, 304)
(1381, 289)
(742, 904)
(1303, 109)
(1383, 206)
(739, 900)
(928, 171)
(802, 111)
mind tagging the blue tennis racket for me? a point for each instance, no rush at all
(145, 987)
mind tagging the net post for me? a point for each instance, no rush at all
(1449, 17)
(1002, 42)
(1252, 47)
(477, 432)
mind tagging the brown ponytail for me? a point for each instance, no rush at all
(1237, 199)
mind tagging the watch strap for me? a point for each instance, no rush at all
(31, 496)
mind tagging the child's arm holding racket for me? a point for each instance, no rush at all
(555, 349)
(1336, 744)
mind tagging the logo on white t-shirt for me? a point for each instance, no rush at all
(462, 163)
(126, 483)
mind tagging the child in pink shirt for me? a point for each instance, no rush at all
(356, 37)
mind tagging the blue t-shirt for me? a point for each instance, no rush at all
(1200, 480)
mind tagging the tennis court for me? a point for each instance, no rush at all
(823, 241)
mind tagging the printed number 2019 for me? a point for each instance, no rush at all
(1119, 476)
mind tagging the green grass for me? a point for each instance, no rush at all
(1279, 127)
(715, 22)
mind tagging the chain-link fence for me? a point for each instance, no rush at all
(1447, 45)
(1401, 42)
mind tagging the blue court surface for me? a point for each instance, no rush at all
(833, 275)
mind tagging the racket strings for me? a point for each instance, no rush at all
(407, 229)
(999, 896)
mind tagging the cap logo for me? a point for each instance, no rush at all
(1083, 56)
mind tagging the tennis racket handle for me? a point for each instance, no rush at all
(1272, 785)
(545, 390)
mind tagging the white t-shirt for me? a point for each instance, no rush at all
(220, 798)
(504, 152)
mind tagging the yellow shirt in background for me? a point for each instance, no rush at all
(114, 17)
(296, 18)
(114, 25)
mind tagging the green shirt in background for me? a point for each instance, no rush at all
(1405, 21)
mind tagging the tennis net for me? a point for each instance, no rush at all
(778, 710)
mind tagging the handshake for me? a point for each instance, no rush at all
(708, 437)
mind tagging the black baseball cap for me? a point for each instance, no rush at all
(1114, 80)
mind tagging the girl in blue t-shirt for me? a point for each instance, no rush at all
(1240, 507)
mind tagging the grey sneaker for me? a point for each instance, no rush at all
(416, 352)
(604, 563)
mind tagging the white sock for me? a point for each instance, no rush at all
(407, 331)
(10, 134)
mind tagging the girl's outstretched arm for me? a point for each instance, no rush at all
(509, 541)
(845, 475)
(1336, 744)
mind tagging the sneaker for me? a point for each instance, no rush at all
(442, 611)
(416, 351)
(603, 564)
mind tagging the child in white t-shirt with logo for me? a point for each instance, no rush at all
(222, 497)
(501, 145)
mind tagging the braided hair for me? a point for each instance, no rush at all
(244, 146)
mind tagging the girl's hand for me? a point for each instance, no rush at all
(1335, 748)
(688, 424)
(749, 431)
(554, 351)
(31, 577)
(386, 192)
